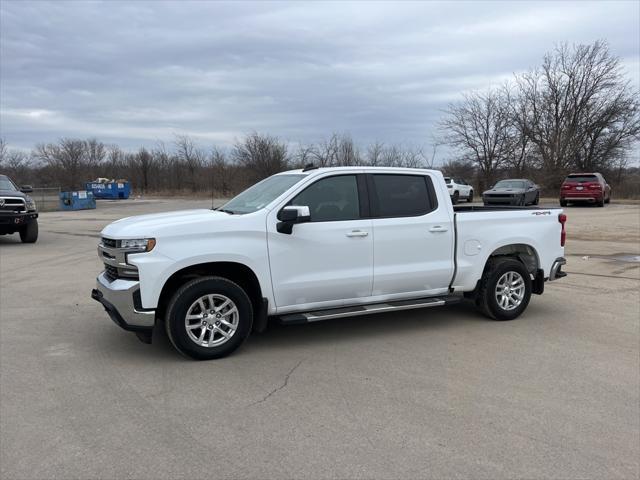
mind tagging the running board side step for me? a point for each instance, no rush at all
(394, 306)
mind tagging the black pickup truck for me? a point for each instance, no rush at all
(18, 212)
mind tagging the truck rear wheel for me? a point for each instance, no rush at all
(455, 197)
(505, 289)
(29, 233)
(208, 318)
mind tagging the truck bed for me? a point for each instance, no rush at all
(481, 230)
(495, 208)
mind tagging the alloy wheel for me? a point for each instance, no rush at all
(510, 290)
(211, 320)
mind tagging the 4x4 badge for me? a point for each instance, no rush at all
(1, 202)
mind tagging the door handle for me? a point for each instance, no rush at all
(357, 233)
(438, 228)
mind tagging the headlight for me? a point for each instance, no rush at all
(141, 245)
(30, 204)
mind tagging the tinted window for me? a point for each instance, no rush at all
(401, 195)
(581, 178)
(331, 199)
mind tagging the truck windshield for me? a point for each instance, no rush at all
(261, 194)
(509, 184)
(6, 184)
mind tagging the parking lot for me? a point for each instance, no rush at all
(439, 393)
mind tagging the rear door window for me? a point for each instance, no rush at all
(402, 195)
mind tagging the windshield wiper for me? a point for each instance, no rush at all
(230, 212)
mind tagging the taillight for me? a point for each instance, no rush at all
(595, 186)
(562, 218)
(566, 185)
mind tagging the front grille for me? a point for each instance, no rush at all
(13, 205)
(110, 272)
(499, 195)
(109, 243)
(113, 273)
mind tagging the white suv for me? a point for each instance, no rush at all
(458, 189)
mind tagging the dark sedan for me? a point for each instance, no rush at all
(512, 192)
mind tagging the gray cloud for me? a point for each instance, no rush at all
(140, 71)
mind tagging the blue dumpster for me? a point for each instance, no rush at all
(112, 190)
(81, 200)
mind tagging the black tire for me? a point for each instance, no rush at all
(537, 200)
(29, 233)
(523, 200)
(608, 200)
(470, 197)
(189, 293)
(486, 296)
(455, 198)
(563, 203)
(600, 203)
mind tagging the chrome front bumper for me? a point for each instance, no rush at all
(556, 269)
(121, 299)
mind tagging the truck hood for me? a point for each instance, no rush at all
(159, 224)
(13, 193)
(504, 190)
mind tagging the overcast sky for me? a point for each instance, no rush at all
(138, 72)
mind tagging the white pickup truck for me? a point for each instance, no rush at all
(322, 243)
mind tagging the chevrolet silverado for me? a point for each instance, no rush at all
(322, 243)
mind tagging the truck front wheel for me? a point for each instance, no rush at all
(208, 318)
(505, 289)
(29, 233)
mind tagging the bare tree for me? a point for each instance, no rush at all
(221, 171)
(480, 128)
(337, 150)
(261, 155)
(145, 163)
(374, 154)
(66, 158)
(347, 153)
(577, 109)
(114, 164)
(191, 156)
(95, 152)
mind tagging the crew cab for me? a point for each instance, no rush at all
(322, 243)
(459, 188)
(585, 187)
(18, 212)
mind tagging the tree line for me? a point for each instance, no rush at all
(575, 112)
(184, 166)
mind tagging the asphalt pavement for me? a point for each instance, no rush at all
(439, 393)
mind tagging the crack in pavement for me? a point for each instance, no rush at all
(277, 389)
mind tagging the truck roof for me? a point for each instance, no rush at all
(360, 169)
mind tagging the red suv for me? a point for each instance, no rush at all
(585, 187)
